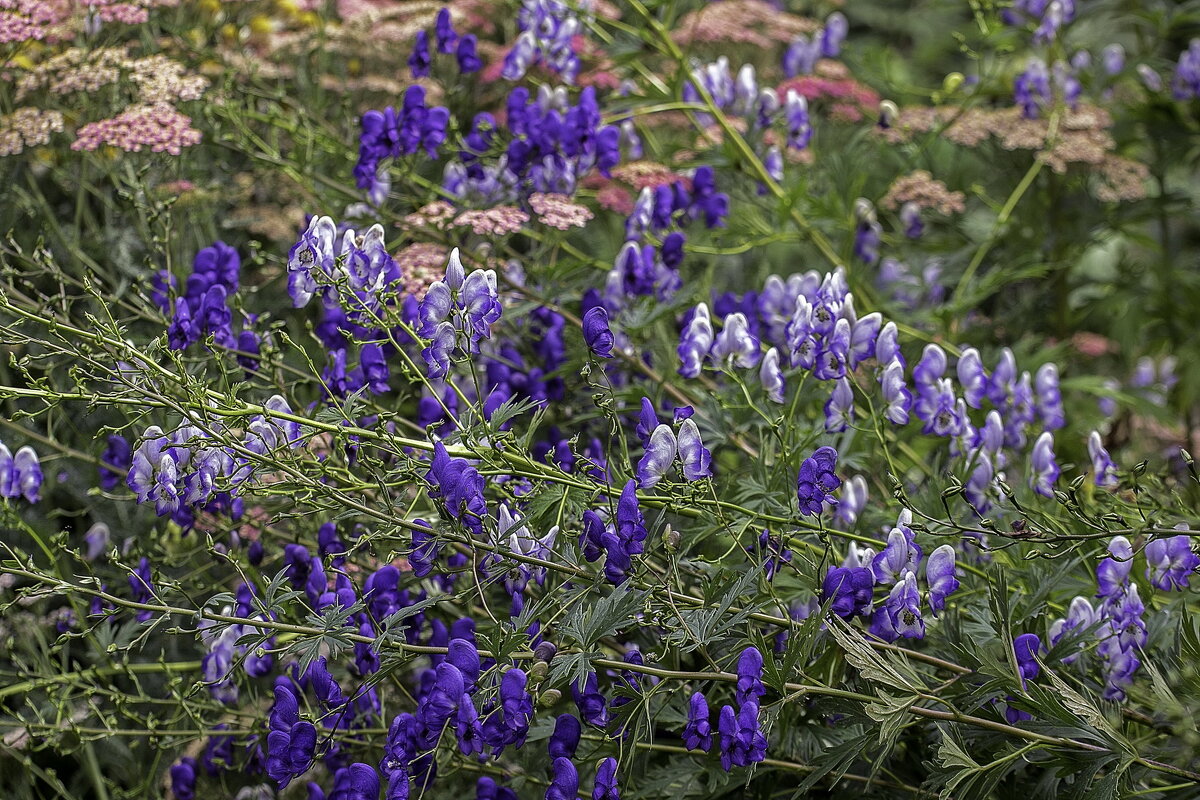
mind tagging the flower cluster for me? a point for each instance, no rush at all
(20, 474)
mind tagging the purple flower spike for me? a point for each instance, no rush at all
(660, 454)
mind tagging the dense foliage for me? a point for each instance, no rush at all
(607, 398)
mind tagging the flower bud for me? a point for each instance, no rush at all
(537, 672)
(545, 651)
(549, 698)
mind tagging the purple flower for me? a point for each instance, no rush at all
(895, 393)
(1045, 468)
(1112, 574)
(839, 408)
(939, 574)
(596, 332)
(593, 707)
(696, 458)
(742, 743)
(852, 501)
(972, 377)
(659, 455)
(142, 586)
(443, 32)
(565, 738)
(697, 734)
(1026, 648)
(900, 614)
(605, 787)
(1171, 561)
(749, 672)
(355, 782)
(1080, 618)
(695, 343)
(117, 454)
(564, 785)
(1102, 464)
(817, 480)
(899, 558)
(420, 61)
(795, 111)
(735, 345)
(848, 590)
(771, 376)
(1031, 88)
(1047, 397)
(290, 752)
(183, 778)
(437, 354)
(864, 336)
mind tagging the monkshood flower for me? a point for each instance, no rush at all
(1044, 467)
(972, 377)
(355, 782)
(749, 671)
(900, 615)
(839, 408)
(795, 111)
(291, 741)
(910, 218)
(694, 456)
(392, 134)
(467, 55)
(852, 501)
(895, 393)
(833, 352)
(1026, 648)
(735, 345)
(864, 337)
(548, 29)
(659, 456)
(487, 789)
(898, 558)
(1171, 561)
(592, 705)
(848, 590)
(742, 742)
(817, 481)
(564, 783)
(183, 778)
(116, 454)
(978, 485)
(605, 787)
(770, 374)
(596, 332)
(1081, 617)
(1047, 397)
(420, 61)
(1185, 84)
(1112, 574)
(697, 734)
(459, 486)
(1031, 88)
(940, 576)
(695, 342)
(20, 474)
(564, 740)
(1102, 464)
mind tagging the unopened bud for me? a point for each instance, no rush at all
(671, 539)
(888, 114)
(549, 698)
(537, 672)
(545, 651)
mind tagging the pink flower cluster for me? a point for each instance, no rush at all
(158, 127)
(496, 221)
(557, 211)
(27, 127)
(30, 20)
